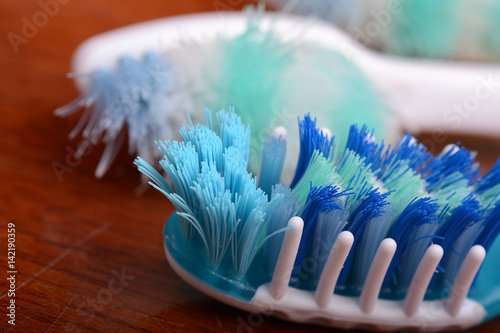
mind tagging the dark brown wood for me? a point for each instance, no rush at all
(74, 236)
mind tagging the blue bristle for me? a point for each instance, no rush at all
(328, 227)
(320, 199)
(374, 233)
(311, 139)
(459, 232)
(488, 187)
(273, 158)
(362, 142)
(365, 206)
(280, 212)
(419, 212)
(446, 164)
(491, 227)
(490, 179)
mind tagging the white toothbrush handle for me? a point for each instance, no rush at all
(436, 96)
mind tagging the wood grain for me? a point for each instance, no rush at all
(75, 236)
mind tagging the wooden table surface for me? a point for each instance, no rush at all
(89, 253)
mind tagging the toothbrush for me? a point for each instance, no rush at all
(422, 95)
(141, 76)
(448, 29)
(367, 236)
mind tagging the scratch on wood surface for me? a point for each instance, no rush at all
(65, 253)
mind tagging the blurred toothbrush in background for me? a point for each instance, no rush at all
(437, 92)
(271, 67)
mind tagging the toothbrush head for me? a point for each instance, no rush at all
(134, 80)
(369, 237)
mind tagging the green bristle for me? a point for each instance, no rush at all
(452, 193)
(405, 186)
(354, 174)
(319, 173)
(420, 30)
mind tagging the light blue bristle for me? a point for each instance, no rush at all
(218, 215)
(233, 132)
(419, 212)
(207, 143)
(363, 207)
(157, 179)
(459, 232)
(311, 139)
(181, 164)
(320, 199)
(251, 233)
(273, 158)
(129, 97)
(214, 193)
(280, 212)
(235, 175)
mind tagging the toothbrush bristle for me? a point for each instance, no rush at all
(320, 199)
(419, 212)
(129, 97)
(273, 158)
(369, 189)
(311, 139)
(283, 206)
(459, 233)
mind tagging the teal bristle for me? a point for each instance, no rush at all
(273, 158)
(311, 139)
(419, 212)
(283, 209)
